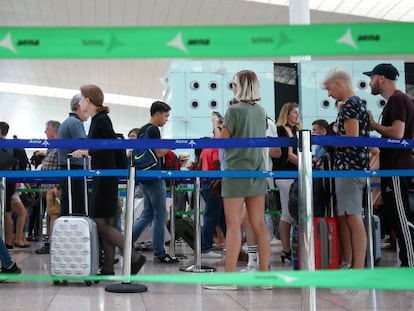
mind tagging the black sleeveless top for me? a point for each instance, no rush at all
(282, 163)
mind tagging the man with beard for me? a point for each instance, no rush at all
(397, 122)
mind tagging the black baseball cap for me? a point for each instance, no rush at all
(386, 70)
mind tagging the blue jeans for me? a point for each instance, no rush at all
(5, 258)
(154, 210)
(213, 216)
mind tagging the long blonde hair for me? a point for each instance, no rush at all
(284, 112)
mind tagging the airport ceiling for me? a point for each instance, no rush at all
(141, 77)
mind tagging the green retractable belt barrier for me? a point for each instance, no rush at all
(381, 278)
(206, 42)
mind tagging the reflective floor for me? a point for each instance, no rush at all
(43, 295)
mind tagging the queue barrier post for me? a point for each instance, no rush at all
(126, 286)
(307, 248)
(197, 266)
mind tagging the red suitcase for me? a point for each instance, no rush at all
(325, 233)
(326, 243)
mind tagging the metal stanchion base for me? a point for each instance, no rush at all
(126, 288)
(198, 269)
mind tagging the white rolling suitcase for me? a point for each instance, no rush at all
(74, 248)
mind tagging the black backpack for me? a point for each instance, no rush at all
(144, 158)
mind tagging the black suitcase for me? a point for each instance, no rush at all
(376, 238)
(376, 225)
(185, 228)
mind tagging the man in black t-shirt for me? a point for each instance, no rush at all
(397, 123)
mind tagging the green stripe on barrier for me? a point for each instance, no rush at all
(207, 41)
(273, 212)
(181, 189)
(184, 189)
(384, 278)
(188, 213)
(31, 190)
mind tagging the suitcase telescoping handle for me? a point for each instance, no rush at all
(330, 211)
(85, 186)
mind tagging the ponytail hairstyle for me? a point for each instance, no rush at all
(95, 95)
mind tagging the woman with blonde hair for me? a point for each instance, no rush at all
(246, 118)
(288, 124)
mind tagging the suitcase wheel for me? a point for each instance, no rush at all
(56, 282)
(88, 283)
(96, 282)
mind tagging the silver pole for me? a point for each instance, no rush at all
(197, 267)
(370, 240)
(306, 241)
(85, 187)
(3, 206)
(126, 286)
(197, 223)
(368, 226)
(69, 185)
(172, 218)
(126, 267)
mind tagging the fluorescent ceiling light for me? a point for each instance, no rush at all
(45, 91)
(391, 10)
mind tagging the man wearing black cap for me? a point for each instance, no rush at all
(398, 123)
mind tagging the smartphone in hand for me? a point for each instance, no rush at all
(219, 116)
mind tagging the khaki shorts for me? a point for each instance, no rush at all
(52, 203)
(349, 195)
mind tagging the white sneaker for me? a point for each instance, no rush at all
(211, 254)
(250, 268)
(275, 242)
(221, 287)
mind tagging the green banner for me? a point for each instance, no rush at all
(381, 278)
(206, 42)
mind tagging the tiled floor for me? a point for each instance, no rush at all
(38, 295)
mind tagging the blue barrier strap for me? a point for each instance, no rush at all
(146, 143)
(327, 140)
(145, 174)
(354, 173)
(45, 175)
(202, 143)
